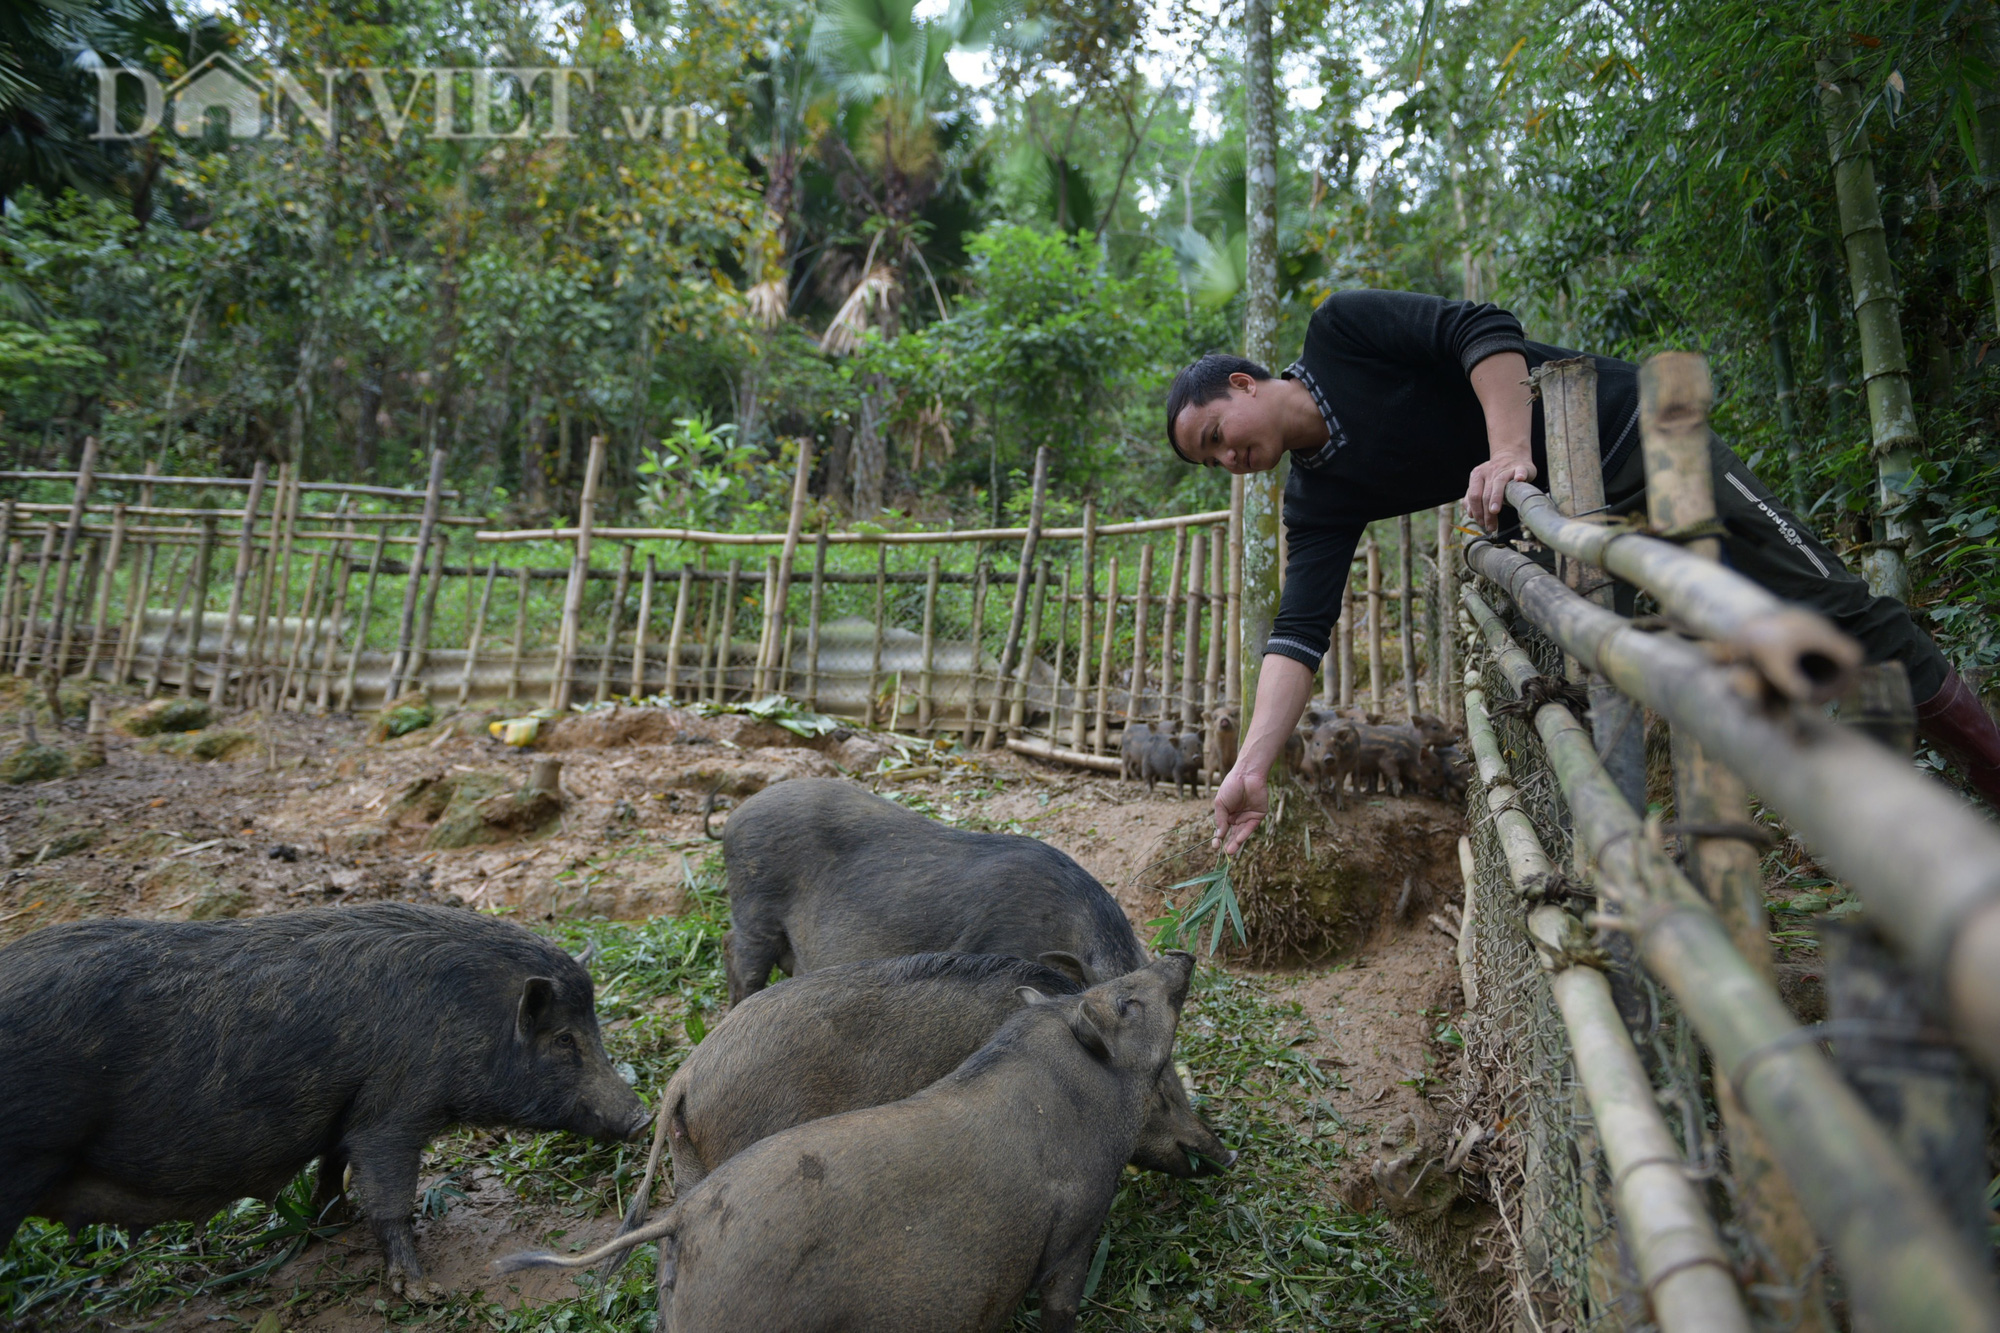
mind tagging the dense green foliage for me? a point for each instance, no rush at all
(826, 233)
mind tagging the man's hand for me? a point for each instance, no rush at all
(1486, 492)
(1240, 805)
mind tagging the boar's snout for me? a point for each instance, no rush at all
(607, 1108)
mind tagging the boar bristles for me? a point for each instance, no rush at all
(617, 1246)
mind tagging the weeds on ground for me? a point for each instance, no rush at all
(1262, 1246)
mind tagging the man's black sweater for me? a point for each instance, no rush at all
(1391, 372)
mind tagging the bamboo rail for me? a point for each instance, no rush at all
(703, 537)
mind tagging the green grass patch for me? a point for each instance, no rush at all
(1263, 1246)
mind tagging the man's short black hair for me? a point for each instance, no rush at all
(1204, 382)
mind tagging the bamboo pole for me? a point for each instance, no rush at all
(342, 576)
(1343, 631)
(875, 657)
(361, 623)
(7, 626)
(399, 667)
(202, 555)
(1101, 742)
(244, 542)
(1030, 546)
(814, 603)
(1375, 605)
(794, 522)
(1447, 608)
(54, 653)
(773, 618)
(1169, 614)
(277, 590)
(924, 685)
(519, 645)
(151, 477)
(613, 616)
(101, 621)
(674, 633)
(154, 677)
(977, 636)
(1086, 592)
(711, 627)
(309, 614)
(1234, 648)
(1017, 711)
(26, 656)
(1133, 707)
(1406, 560)
(728, 631)
(704, 537)
(478, 629)
(637, 688)
(267, 566)
(86, 583)
(1904, 1265)
(1191, 649)
(566, 642)
(420, 649)
(1217, 607)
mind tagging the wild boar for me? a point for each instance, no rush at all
(1219, 744)
(1432, 731)
(1443, 772)
(1175, 759)
(158, 1071)
(937, 1212)
(1138, 738)
(1331, 752)
(863, 1034)
(822, 872)
(1388, 755)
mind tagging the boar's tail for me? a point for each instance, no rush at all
(617, 1247)
(673, 1117)
(708, 811)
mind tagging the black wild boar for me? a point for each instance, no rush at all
(1443, 772)
(863, 1034)
(937, 1212)
(822, 872)
(1175, 759)
(153, 1071)
(1388, 755)
(1137, 739)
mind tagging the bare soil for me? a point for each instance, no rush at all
(315, 813)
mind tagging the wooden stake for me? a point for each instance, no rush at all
(930, 647)
(794, 521)
(337, 612)
(1017, 711)
(101, 621)
(875, 658)
(767, 650)
(711, 630)
(268, 562)
(1344, 641)
(420, 650)
(812, 619)
(1234, 648)
(26, 657)
(154, 677)
(478, 629)
(1447, 612)
(361, 622)
(199, 621)
(54, 646)
(674, 634)
(399, 669)
(1169, 612)
(1375, 605)
(1406, 559)
(309, 616)
(1087, 591)
(244, 541)
(135, 606)
(1029, 546)
(637, 687)
(7, 626)
(723, 642)
(613, 617)
(520, 643)
(1100, 742)
(1217, 608)
(86, 584)
(976, 635)
(277, 593)
(1062, 656)
(1191, 649)
(1134, 710)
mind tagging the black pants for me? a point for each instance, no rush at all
(1767, 544)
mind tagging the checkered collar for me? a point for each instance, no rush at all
(1336, 438)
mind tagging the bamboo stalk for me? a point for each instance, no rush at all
(1211, 694)
(7, 626)
(1101, 742)
(1169, 613)
(1133, 707)
(135, 614)
(309, 615)
(244, 540)
(1406, 560)
(420, 649)
(1030, 546)
(1062, 656)
(519, 645)
(277, 593)
(674, 635)
(150, 477)
(479, 629)
(1234, 648)
(637, 688)
(1017, 711)
(154, 677)
(26, 656)
(399, 672)
(875, 658)
(86, 583)
(101, 621)
(1343, 632)
(566, 642)
(728, 631)
(794, 522)
(711, 628)
(1447, 604)
(924, 683)
(977, 636)
(703, 537)
(1086, 593)
(343, 574)
(767, 650)
(1904, 1265)
(54, 646)
(1375, 606)
(202, 555)
(813, 606)
(613, 615)
(1191, 632)
(361, 623)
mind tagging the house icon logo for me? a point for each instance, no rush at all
(218, 83)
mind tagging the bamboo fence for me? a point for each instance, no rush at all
(1608, 1231)
(275, 592)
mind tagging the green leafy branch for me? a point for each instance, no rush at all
(1214, 902)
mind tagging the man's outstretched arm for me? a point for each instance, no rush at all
(1283, 688)
(1503, 397)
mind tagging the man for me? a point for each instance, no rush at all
(1402, 402)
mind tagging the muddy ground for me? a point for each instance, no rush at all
(310, 811)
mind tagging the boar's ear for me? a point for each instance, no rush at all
(538, 1001)
(1029, 995)
(1088, 1034)
(1070, 966)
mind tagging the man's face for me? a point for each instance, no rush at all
(1238, 432)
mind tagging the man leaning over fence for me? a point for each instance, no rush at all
(1402, 402)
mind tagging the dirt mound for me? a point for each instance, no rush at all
(1315, 883)
(619, 725)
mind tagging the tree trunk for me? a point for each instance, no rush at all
(870, 456)
(1262, 493)
(1878, 314)
(1833, 345)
